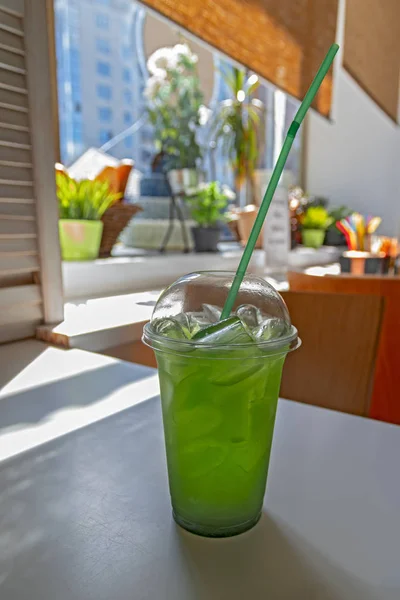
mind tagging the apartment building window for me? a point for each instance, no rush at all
(104, 136)
(127, 118)
(105, 114)
(77, 131)
(103, 46)
(104, 92)
(103, 69)
(128, 142)
(102, 21)
(126, 75)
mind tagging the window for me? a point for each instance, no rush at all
(104, 91)
(102, 21)
(146, 156)
(104, 136)
(75, 58)
(105, 113)
(128, 141)
(103, 46)
(127, 96)
(114, 59)
(126, 52)
(77, 132)
(103, 68)
(75, 81)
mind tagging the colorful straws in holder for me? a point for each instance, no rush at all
(358, 230)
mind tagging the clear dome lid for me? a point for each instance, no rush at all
(189, 311)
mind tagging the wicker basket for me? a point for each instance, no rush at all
(115, 219)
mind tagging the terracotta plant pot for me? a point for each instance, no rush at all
(80, 239)
(313, 238)
(364, 263)
(206, 239)
(246, 218)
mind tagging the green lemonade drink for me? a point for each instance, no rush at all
(219, 392)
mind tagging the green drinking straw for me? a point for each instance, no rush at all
(276, 174)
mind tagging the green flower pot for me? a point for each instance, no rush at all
(80, 240)
(313, 238)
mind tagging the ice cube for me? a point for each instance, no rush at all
(201, 457)
(212, 313)
(270, 329)
(249, 315)
(198, 319)
(250, 454)
(241, 371)
(170, 328)
(189, 325)
(228, 331)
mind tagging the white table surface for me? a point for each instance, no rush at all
(84, 506)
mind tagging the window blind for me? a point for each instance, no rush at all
(284, 41)
(22, 246)
(372, 50)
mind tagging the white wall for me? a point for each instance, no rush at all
(355, 159)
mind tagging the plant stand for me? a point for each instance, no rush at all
(174, 207)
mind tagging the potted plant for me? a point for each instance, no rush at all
(236, 124)
(81, 206)
(174, 101)
(333, 236)
(207, 205)
(315, 222)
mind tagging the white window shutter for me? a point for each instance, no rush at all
(30, 265)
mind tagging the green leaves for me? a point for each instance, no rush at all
(316, 217)
(83, 200)
(174, 111)
(207, 205)
(237, 124)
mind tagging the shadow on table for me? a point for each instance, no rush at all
(19, 356)
(37, 404)
(268, 562)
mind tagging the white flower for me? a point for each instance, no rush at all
(204, 114)
(160, 61)
(164, 60)
(153, 86)
(184, 50)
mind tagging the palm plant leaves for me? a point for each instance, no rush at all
(237, 124)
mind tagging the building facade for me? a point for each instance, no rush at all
(100, 83)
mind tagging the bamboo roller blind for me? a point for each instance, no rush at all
(283, 41)
(372, 49)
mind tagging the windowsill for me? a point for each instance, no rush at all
(152, 270)
(100, 323)
(145, 271)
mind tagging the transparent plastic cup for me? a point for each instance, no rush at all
(219, 392)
